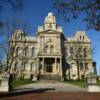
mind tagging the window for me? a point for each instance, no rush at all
(86, 66)
(80, 38)
(51, 49)
(79, 50)
(17, 51)
(66, 51)
(71, 49)
(26, 67)
(81, 66)
(46, 48)
(85, 54)
(33, 51)
(32, 66)
(16, 66)
(73, 75)
(26, 51)
(83, 37)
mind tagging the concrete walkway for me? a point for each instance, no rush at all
(44, 86)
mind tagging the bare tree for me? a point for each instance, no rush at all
(88, 9)
(7, 27)
(12, 5)
(80, 54)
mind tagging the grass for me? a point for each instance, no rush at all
(17, 83)
(98, 82)
(81, 83)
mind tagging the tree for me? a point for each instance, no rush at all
(88, 9)
(79, 53)
(7, 27)
(12, 5)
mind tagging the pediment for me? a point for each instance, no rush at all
(50, 31)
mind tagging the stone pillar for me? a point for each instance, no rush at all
(37, 65)
(43, 65)
(60, 67)
(56, 64)
(92, 84)
(5, 83)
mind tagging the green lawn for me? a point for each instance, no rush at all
(17, 83)
(80, 83)
(98, 82)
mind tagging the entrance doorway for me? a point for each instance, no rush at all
(49, 64)
(49, 68)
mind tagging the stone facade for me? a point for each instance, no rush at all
(50, 55)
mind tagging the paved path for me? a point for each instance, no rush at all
(44, 86)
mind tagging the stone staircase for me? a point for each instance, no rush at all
(49, 77)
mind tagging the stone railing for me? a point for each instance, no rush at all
(92, 84)
(4, 84)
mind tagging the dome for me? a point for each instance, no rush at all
(50, 18)
(50, 14)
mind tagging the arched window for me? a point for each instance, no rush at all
(33, 51)
(79, 50)
(51, 49)
(26, 67)
(80, 37)
(85, 52)
(16, 66)
(32, 66)
(71, 49)
(83, 37)
(72, 64)
(86, 66)
(81, 66)
(26, 51)
(46, 49)
(17, 51)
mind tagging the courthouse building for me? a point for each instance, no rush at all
(50, 55)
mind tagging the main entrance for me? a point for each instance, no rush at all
(50, 68)
(49, 62)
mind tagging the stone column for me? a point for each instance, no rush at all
(56, 64)
(37, 65)
(60, 67)
(43, 65)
